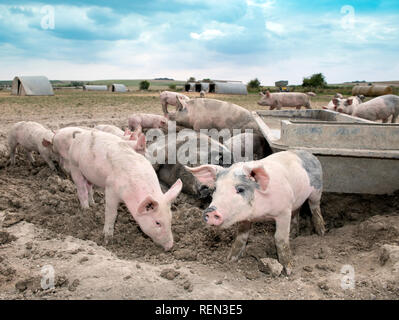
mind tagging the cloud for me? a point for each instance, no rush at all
(237, 39)
(207, 34)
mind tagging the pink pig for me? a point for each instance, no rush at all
(285, 99)
(273, 188)
(380, 108)
(110, 163)
(170, 98)
(146, 120)
(29, 135)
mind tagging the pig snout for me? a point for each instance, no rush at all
(212, 216)
(168, 246)
(341, 110)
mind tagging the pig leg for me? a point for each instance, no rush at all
(281, 238)
(307, 106)
(240, 242)
(81, 186)
(394, 116)
(91, 193)
(295, 224)
(317, 218)
(385, 120)
(30, 156)
(13, 148)
(111, 211)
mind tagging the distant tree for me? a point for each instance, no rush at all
(206, 80)
(316, 80)
(253, 85)
(144, 85)
(172, 86)
(191, 79)
(76, 83)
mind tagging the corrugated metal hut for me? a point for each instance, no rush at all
(90, 87)
(117, 87)
(371, 91)
(205, 86)
(32, 86)
(190, 86)
(228, 87)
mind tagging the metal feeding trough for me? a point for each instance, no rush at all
(357, 155)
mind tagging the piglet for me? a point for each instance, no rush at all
(147, 121)
(110, 163)
(29, 135)
(170, 98)
(272, 188)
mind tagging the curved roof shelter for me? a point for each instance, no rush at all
(88, 87)
(228, 87)
(32, 86)
(117, 87)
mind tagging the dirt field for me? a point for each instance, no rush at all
(41, 224)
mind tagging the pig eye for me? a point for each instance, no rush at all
(240, 190)
(158, 223)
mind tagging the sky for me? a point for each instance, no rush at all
(226, 39)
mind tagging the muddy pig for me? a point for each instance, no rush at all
(169, 98)
(29, 135)
(248, 146)
(284, 99)
(380, 108)
(273, 188)
(204, 150)
(108, 162)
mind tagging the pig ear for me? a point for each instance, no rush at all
(335, 101)
(205, 174)
(325, 108)
(349, 101)
(148, 205)
(261, 93)
(268, 93)
(140, 146)
(46, 143)
(164, 121)
(259, 174)
(174, 191)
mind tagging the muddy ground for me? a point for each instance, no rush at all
(41, 224)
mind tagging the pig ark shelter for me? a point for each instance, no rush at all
(32, 86)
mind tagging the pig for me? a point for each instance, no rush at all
(147, 121)
(284, 99)
(272, 188)
(337, 102)
(108, 162)
(380, 108)
(202, 94)
(207, 150)
(29, 135)
(254, 143)
(169, 98)
(311, 94)
(203, 113)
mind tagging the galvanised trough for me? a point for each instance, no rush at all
(357, 155)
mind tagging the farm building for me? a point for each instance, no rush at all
(95, 87)
(190, 86)
(32, 86)
(218, 86)
(117, 87)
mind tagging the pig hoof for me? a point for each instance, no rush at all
(232, 258)
(288, 270)
(108, 240)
